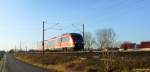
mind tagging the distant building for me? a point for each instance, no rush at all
(128, 45)
(145, 46)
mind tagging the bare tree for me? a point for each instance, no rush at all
(105, 38)
(89, 40)
(118, 44)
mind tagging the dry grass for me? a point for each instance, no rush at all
(59, 63)
(68, 63)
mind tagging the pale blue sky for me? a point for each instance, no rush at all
(22, 19)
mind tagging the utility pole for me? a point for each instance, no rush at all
(20, 46)
(26, 49)
(15, 49)
(43, 38)
(83, 36)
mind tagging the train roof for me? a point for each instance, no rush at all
(65, 34)
(72, 33)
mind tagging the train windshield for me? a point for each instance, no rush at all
(77, 37)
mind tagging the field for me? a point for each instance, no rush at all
(90, 62)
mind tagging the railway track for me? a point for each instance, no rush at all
(81, 52)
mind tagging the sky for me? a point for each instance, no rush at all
(21, 20)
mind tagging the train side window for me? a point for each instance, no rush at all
(50, 43)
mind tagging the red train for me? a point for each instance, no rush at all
(145, 44)
(66, 42)
(128, 45)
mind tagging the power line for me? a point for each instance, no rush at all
(76, 28)
(51, 27)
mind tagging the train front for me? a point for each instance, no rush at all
(78, 41)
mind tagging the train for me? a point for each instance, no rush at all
(65, 42)
(143, 46)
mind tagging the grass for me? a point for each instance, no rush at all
(124, 62)
(57, 62)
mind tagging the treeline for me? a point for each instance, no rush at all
(102, 39)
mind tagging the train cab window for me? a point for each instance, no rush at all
(77, 37)
(65, 39)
